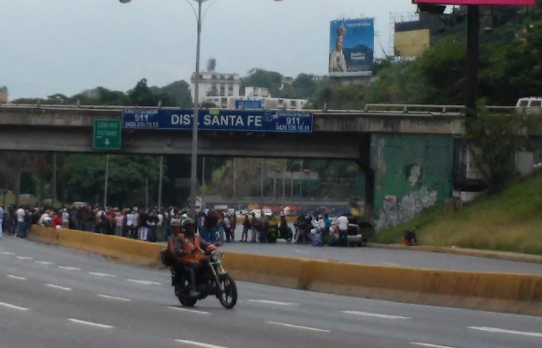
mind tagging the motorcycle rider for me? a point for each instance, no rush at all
(188, 250)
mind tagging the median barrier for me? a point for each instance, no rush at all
(125, 249)
(516, 293)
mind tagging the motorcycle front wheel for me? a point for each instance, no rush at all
(227, 291)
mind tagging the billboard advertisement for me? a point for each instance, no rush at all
(479, 2)
(351, 47)
(412, 42)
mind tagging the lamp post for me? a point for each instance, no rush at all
(194, 150)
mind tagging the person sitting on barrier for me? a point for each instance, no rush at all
(188, 248)
(409, 237)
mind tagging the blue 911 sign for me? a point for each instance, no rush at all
(219, 120)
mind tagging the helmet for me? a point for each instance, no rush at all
(188, 221)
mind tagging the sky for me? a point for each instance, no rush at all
(67, 46)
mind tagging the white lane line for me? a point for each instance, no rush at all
(503, 331)
(58, 287)
(375, 315)
(69, 268)
(189, 310)
(389, 264)
(89, 323)
(115, 298)
(24, 258)
(102, 274)
(199, 344)
(146, 282)
(10, 306)
(16, 277)
(44, 262)
(302, 251)
(429, 345)
(6, 253)
(278, 303)
(297, 326)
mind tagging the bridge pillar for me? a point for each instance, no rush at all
(365, 164)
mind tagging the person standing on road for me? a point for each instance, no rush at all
(2, 214)
(256, 226)
(246, 227)
(342, 224)
(20, 222)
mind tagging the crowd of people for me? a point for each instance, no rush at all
(157, 224)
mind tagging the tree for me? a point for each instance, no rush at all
(262, 78)
(142, 95)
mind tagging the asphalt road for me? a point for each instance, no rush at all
(386, 257)
(51, 296)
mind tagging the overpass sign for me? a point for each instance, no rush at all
(107, 134)
(220, 120)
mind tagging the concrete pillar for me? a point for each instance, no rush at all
(365, 165)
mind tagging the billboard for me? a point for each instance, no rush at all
(479, 2)
(351, 47)
(411, 42)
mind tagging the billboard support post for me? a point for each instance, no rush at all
(473, 29)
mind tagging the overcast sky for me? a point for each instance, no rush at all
(67, 46)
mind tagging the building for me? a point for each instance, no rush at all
(3, 95)
(258, 94)
(213, 84)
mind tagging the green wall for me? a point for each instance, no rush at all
(412, 172)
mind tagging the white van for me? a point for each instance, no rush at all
(529, 102)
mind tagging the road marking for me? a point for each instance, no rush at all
(115, 298)
(503, 331)
(10, 306)
(278, 303)
(102, 274)
(429, 345)
(302, 251)
(146, 282)
(58, 287)
(375, 315)
(189, 310)
(297, 326)
(389, 264)
(89, 323)
(44, 262)
(199, 344)
(16, 277)
(7, 253)
(24, 258)
(69, 268)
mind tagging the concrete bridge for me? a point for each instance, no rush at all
(409, 153)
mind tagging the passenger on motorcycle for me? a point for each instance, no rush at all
(188, 248)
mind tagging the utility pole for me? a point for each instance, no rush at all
(54, 179)
(473, 57)
(147, 194)
(234, 178)
(160, 182)
(284, 182)
(203, 183)
(261, 181)
(106, 180)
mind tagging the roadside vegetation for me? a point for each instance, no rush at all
(508, 221)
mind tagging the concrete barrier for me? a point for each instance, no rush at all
(514, 293)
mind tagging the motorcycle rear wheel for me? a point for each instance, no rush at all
(227, 292)
(183, 296)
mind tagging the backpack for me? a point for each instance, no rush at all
(167, 258)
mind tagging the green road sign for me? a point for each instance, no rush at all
(107, 134)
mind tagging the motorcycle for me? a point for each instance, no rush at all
(275, 233)
(212, 280)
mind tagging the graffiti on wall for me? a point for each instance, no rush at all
(395, 210)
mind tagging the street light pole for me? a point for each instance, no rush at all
(194, 152)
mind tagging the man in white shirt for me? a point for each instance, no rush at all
(130, 218)
(21, 228)
(342, 224)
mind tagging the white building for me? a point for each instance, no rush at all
(258, 94)
(213, 84)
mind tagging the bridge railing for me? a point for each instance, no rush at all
(384, 109)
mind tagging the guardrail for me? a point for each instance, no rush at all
(406, 109)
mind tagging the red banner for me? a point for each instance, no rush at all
(479, 2)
